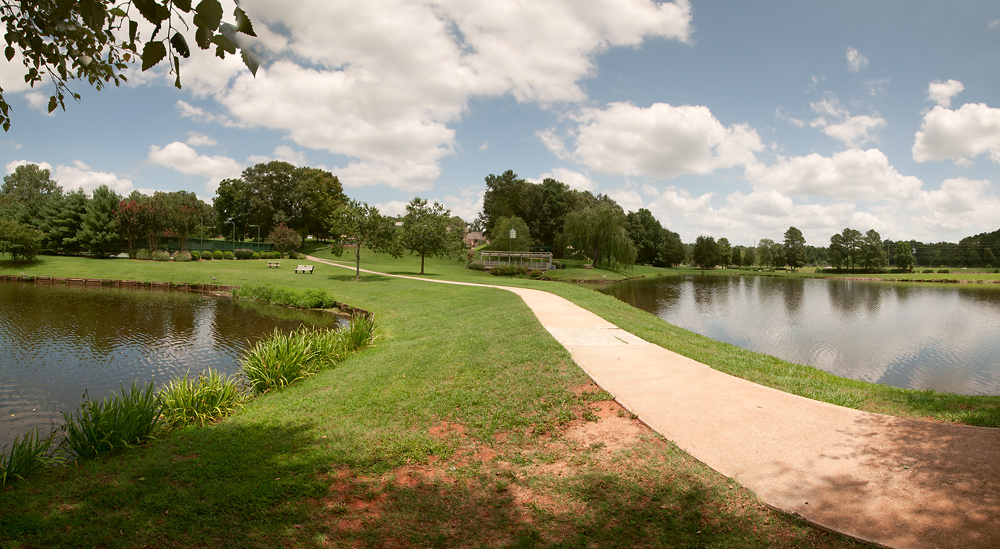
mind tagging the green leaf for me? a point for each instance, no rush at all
(183, 5)
(133, 30)
(251, 60)
(53, 103)
(180, 45)
(208, 14)
(243, 23)
(9, 52)
(177, 71)
(153, 53)
(203, 37)
(224, 46)
(152, 11)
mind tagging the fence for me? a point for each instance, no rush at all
(170, 243)
(531, 260)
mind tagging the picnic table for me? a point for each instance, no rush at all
(273, 264)
(304, 269)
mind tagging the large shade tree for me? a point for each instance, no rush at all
(795, 248)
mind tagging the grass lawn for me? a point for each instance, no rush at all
(465, 425)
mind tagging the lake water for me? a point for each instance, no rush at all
(58, 343)
(904, 335)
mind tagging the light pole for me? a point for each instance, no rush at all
(258, 234)
(510, 249)
(230, 220)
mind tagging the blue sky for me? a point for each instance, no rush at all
(726, 118)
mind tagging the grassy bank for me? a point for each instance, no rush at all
(465, 425)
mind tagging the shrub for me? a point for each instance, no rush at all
(509, 270)
(288, 297)
(209, 397)
(161, 255)
(926, 271)
(26, 455)
(535, 273)
(943, 271)
(182, 256)
(143, 254)
(477, 265)
(217, 254)
(255, 255)
(105, 426)
(228, 255)
(243, 253)
(206, 255)
(195, 256)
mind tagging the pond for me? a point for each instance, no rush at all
(945, 338)
(60, 344)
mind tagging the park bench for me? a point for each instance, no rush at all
(273, 264)
(304, 269)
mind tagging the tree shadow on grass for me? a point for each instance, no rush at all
(224, 486)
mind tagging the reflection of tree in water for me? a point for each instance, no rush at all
(792, 292)
(985, 297)
(852, 297)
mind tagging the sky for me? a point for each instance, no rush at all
(723, 118)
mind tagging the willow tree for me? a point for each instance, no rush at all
(598, 232)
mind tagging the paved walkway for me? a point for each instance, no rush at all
(894, 481)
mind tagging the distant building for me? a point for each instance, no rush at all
(474, 239)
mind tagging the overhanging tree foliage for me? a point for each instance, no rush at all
(96, 40)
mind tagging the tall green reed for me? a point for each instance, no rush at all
(27, 454)
(208, 397)
(100, 427)
(282, 359)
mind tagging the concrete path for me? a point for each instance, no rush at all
(898, 482)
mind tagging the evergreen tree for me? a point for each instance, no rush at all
(63, 220)
(795, 248)
(99, 231)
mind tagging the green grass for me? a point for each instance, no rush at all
(455, 429)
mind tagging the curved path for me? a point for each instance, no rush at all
(894, 481)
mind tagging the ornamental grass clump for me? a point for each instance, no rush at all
(26, 454)
(206, 398)
(359, 334)
(280, 360)
(101, 427)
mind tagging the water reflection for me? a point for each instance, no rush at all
(905, 335)
(58, 342)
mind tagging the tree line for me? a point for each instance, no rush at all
(284, 202)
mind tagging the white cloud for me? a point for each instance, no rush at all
(182, 158)
(575, 180)
(856, 61)
(196, 139)
(466, 204)
(958, 135)
(994, 24)
(385, 89)
(661, 141)
(877, 87)
(942, 92)
(836, 121)
(855, 131)
(852, 175)
(78, 176)
(392, 208)
(39, 102)
(961, 206)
